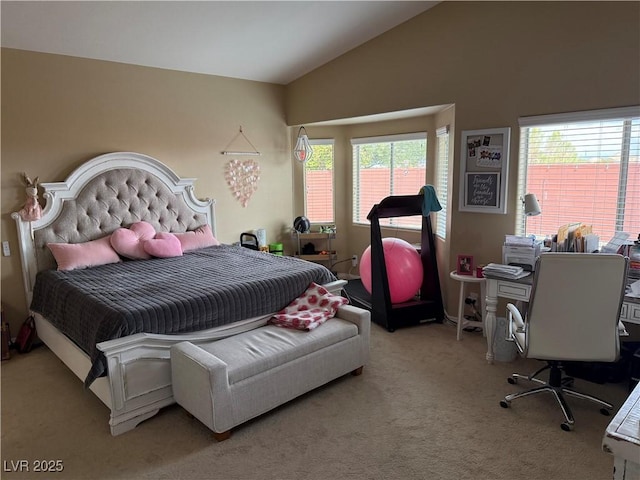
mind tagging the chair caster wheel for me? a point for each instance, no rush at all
(504, 404)
(512, 380)
(606, 412)
(567, 427)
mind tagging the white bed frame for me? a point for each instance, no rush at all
(139, 373)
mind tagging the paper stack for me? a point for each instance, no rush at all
(511, 272)
(520, 241)
(577, 237)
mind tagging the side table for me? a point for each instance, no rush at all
(464, 279)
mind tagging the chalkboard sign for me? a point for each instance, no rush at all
(482, 190)
(484, 169)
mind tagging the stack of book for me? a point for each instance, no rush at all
(511, 272)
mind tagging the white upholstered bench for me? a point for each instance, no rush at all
(229, 381)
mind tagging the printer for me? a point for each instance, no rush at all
(521, 253)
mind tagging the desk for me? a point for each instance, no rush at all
(463, 279)
(622, 439)
(520, 290)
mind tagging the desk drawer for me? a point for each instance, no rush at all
(630, 312)
(514, 290)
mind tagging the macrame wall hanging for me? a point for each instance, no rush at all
(242, 176)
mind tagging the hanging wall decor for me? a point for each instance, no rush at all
(255, 151)
(484, 169)
(242, 177)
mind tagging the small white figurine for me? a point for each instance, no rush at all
(32, 209)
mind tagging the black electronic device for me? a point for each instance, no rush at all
(302, 224)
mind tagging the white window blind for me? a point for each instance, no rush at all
(384, 166)
(582, 167)
(318, 183)
(442, 180)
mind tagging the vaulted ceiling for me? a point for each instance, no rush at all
(267, 41)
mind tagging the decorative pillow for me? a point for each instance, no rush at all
(311, 309)
(70, 256)
(163, 245)
(199, 238)
(129, 242)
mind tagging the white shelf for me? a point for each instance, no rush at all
(317, 258)
(316, 236)
(324, 244)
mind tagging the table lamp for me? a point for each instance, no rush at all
(531, 205)
(531, 208)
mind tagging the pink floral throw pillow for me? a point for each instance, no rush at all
(129, 242)
(311, 309)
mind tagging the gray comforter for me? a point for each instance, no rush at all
(202, 289)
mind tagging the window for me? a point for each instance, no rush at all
(318, 183)
(442, 180)
(389, 165)
(583, 167)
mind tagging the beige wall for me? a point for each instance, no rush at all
(58, 112)
(496, 61)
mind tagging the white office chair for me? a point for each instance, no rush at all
(572, 315)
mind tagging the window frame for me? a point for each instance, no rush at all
(442, 174)
(315, 142)
(392, 138)
(624, 114)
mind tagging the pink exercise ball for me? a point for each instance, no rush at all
(404, 269)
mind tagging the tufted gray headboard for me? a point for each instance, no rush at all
(105, 193)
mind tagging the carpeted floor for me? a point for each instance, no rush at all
(426, 407)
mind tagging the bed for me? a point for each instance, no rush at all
(116, 322)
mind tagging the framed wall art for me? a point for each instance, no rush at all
(484, 157)
(464, 265)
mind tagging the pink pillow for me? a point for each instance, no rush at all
(129, 242)
(70, 256)
(163, 245)
(311, 309)
(199, 238)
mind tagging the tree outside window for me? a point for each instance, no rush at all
(585, 169)
(384, 166)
